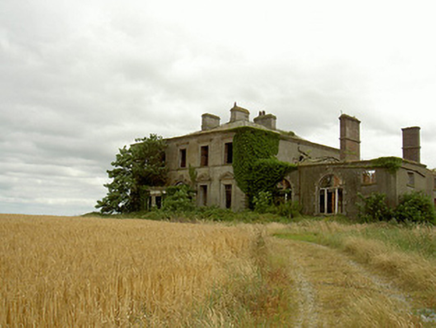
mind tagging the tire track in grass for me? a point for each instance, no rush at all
(334, 291)
(307, 315)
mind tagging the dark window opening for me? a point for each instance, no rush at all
(283, 193)
(330, 195)
(330, 201)
(228, 195)
(204, 156)
(158, 201)
(203, 195)
(228, 153)
(182, 157)
(322, 201)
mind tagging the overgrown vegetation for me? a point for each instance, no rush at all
(135, 168)
(403, 254)
(255, 166)
(413, 207)
(374, 208)
(179, 205)
(264, 203)
(391, 164)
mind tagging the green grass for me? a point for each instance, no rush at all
(311, 238)
(417, 239)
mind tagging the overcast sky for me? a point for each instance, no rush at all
(81, 79)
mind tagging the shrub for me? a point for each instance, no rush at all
(374, 208)
(288, 209)
(178, 199)
(416, 207)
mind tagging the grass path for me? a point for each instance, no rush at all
(334, 291)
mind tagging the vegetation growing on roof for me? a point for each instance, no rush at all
(391, 164)
(255, 166)
(289, 133)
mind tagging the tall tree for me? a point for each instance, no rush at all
(135, 168)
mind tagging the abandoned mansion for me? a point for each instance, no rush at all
(325, 180)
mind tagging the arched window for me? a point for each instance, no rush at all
(330, 195)
(284, 191)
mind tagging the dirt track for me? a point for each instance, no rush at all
(334, 291)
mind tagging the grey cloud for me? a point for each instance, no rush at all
(78, 80)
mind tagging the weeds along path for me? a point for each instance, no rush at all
(333, 291)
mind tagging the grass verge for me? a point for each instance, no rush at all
(406, 255)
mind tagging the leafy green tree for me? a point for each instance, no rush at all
(135, 168)
(179, 199)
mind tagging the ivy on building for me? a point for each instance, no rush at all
(391, 164)
(255, 165)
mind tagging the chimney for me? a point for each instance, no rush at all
(239, 114)
(209, 121)
(412, 144)
(267, 120)
(350, 138)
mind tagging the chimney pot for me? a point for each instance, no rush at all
(267, 120)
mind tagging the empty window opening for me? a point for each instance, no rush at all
(330, 195)
(182, 157)
(204, 156)
(158, 201)
(368, 177)
(203, 195)
(228, 195)
(284, 192)
(228, 153)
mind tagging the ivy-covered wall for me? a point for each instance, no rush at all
(255, 165)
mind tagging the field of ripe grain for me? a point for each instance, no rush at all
(88, 272)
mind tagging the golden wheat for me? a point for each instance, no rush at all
(76, 272)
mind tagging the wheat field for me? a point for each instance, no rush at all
(88, 272)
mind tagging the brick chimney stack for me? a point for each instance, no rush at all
(412, 144)
(350, 138)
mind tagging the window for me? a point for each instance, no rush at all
(228, 153)
(410, 179)
(204, 161)
(284, 192)
(159, 201)
(368, 177)
(182, 157)
(330, 195)
(228, 195)
(203, 195)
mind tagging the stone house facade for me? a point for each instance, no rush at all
(327, 180)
